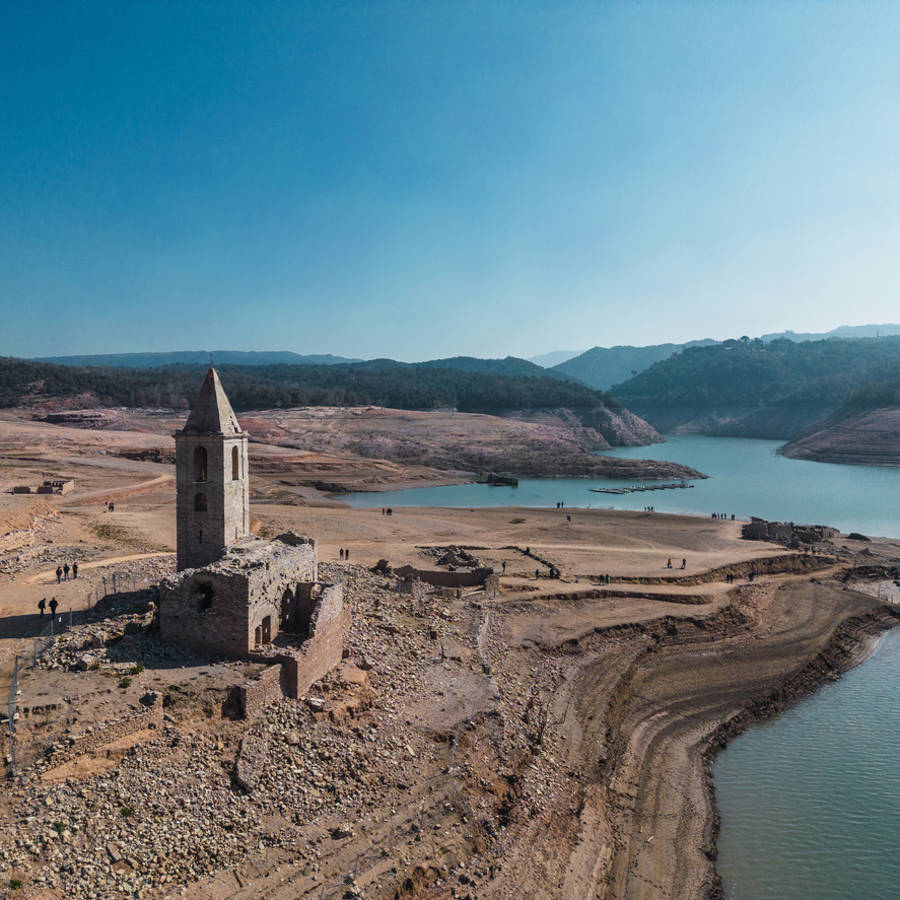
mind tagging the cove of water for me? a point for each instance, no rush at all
(746, 477)
(810, 801)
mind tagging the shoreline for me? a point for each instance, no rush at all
(668, 718)
(854, 641)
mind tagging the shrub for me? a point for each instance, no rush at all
(125, 682)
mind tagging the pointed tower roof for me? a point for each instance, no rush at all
(212, 413)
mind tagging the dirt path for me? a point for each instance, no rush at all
(49, 575)
(99, 496)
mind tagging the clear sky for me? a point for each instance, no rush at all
(434, 178)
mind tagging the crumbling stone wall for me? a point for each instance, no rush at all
(218, 609)
(785, 532)
(303, 665)
(148, 717)
(439, 578)
(253, 695)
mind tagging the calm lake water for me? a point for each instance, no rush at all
(746, 477)
(811, 800)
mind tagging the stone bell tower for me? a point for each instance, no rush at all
(211, 478)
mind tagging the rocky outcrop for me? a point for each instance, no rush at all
(863, 438)
(596, 428)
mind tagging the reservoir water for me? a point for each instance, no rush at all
(746, 477)
(810, 801)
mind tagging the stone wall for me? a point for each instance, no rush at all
(317, 656)
(149, 717)
(217, 609)
(785, 532)
(253, 695)
(305, 664)
(439, 578)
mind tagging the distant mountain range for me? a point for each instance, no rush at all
(554, 358)
(602, 367)
(610, 365)
(197, 357)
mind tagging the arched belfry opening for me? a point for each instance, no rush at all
(235, 464)
(200, 504)
(200, 464)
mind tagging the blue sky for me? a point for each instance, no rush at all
(435, 178)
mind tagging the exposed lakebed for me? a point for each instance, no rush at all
(809, 801)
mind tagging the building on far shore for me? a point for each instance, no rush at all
(236, 595)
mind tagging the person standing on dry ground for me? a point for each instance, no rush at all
(58, 574)
(684, 564)
(74, 569)
(53, 605)
(42, 605)
(66, 571)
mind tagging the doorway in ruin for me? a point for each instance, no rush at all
(267, 630)
(307, 597)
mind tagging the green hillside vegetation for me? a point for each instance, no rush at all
(756, 389)
(378, 383)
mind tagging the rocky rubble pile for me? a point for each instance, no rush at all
(208, 792)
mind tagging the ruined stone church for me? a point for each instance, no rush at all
(235, 595)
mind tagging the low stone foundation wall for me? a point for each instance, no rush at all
(253, 695)
(149, 717)
(439, 578)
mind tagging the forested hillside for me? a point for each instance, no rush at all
(757, 389)
(380, 383)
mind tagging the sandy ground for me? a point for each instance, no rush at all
(638, 680)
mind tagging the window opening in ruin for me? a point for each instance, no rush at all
(286, 611)
(201, 536)
(235, 464)
(267, 630)
(257, 636)
(206, 597)
(200, 464)
(200, 502)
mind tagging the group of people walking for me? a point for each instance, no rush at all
(722, 516)
(683, 563)
(345, 553)
(62, 572)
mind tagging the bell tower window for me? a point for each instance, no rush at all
(200, 464)
(200, 503)
(235, 464)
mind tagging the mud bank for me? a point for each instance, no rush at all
(690, 691)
